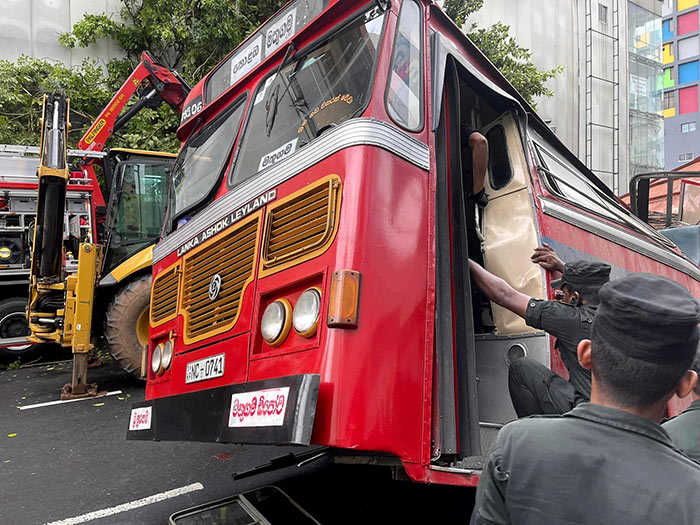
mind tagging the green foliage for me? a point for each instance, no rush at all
(23, 84)
(459, 10)
(191, 36)
(513, 60)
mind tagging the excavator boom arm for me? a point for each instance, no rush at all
(165, 86)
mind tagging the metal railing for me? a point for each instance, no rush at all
(639, 194)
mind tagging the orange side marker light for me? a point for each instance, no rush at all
(344, 299)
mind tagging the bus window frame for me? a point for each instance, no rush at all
(632, 223)
(502, 128)
(242, 99)
(248, 39)
(317, 42)
(545, 172)
(421, 126)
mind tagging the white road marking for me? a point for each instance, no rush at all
(60, 402)
(129, 506)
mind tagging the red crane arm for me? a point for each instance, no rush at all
(166, 86)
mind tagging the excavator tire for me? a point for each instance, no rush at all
(14, 324)
(124, 322)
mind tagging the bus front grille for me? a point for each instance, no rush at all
(164, 295)
(211, 304)
(301, 226)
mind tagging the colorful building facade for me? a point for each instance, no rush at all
(681, 60)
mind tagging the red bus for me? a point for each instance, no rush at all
(312, 284)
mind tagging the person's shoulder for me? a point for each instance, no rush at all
(559, 309)
(534, 439)
(533, 428)
(681, 420)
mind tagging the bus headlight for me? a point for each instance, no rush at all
(276, 322)
(306, 312)
(156, 358)
(167, 354)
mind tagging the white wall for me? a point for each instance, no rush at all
(32, 27)
(550, 30)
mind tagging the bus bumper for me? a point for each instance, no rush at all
(277, 411)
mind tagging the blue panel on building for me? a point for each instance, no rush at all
(688, 72)
(667, 34)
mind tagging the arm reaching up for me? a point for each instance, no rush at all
(498, 291)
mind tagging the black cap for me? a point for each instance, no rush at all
(648, 317)
(583, 273)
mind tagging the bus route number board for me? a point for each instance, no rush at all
(207, 368)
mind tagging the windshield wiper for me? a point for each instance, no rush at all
(273, 99)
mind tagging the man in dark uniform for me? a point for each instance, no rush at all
(475, 160)
(607, 461)
(534, 388)
(685, 428)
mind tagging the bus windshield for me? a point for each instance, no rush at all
(310, 94)
(204, 156)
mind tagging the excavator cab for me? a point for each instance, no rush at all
(136, 206)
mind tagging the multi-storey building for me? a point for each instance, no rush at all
(681, 55)
(607, 104)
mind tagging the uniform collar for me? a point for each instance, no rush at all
(695, 405)
(620, 419)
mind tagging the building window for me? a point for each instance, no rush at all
(688, 127)
(685, 157)
(669, 100)
(688, 100)
(602, 13)
(669, 78)
(667, 29)
(688, 47)
(688, 23)
(689, 72)
(668, 53)
(685, 4)
(667, 9)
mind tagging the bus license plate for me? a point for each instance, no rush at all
(207, 368)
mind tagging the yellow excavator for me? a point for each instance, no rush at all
(111, 288)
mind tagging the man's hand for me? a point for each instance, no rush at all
(546, 257)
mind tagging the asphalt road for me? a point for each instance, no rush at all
(70, 463)
(67, 460)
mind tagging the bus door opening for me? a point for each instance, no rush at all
(501, 237)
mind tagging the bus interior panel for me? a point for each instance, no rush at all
(501, 237)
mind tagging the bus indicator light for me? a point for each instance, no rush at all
(344, 299)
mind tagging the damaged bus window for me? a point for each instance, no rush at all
(202, 159)
(310, 94)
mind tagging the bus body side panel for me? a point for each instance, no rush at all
(577, 237)
(371, 376)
